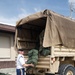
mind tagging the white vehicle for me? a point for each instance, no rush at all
(59, 36)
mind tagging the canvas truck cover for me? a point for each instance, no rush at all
(58, 29)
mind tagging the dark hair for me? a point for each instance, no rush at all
(20, 50)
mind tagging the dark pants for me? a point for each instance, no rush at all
(20, 71)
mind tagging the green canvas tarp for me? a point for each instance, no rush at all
(58, 29)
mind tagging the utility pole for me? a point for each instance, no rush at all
(72, 9)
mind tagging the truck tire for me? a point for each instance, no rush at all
(66, 69)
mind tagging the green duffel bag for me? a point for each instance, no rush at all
(35, 57)
(45, 52)
(29, 61)
(35, 51)
(33, 61)
(32, 52)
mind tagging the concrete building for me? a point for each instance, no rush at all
(7, 51)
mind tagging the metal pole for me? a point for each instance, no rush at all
(71, 10)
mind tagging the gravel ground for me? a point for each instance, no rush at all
(11, 71)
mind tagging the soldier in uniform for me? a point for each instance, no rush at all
(20, 63)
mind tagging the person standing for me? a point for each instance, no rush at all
(20, 63)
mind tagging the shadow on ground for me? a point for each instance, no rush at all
(4, 74)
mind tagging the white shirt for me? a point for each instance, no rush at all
(20, 61)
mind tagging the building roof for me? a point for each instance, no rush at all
(8, 28)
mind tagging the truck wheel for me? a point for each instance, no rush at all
(66, 69)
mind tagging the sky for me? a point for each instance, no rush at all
(13, 10)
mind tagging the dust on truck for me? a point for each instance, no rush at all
(58, 37)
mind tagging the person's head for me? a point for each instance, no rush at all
(20, 51)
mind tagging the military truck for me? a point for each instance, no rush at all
(59, 36)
